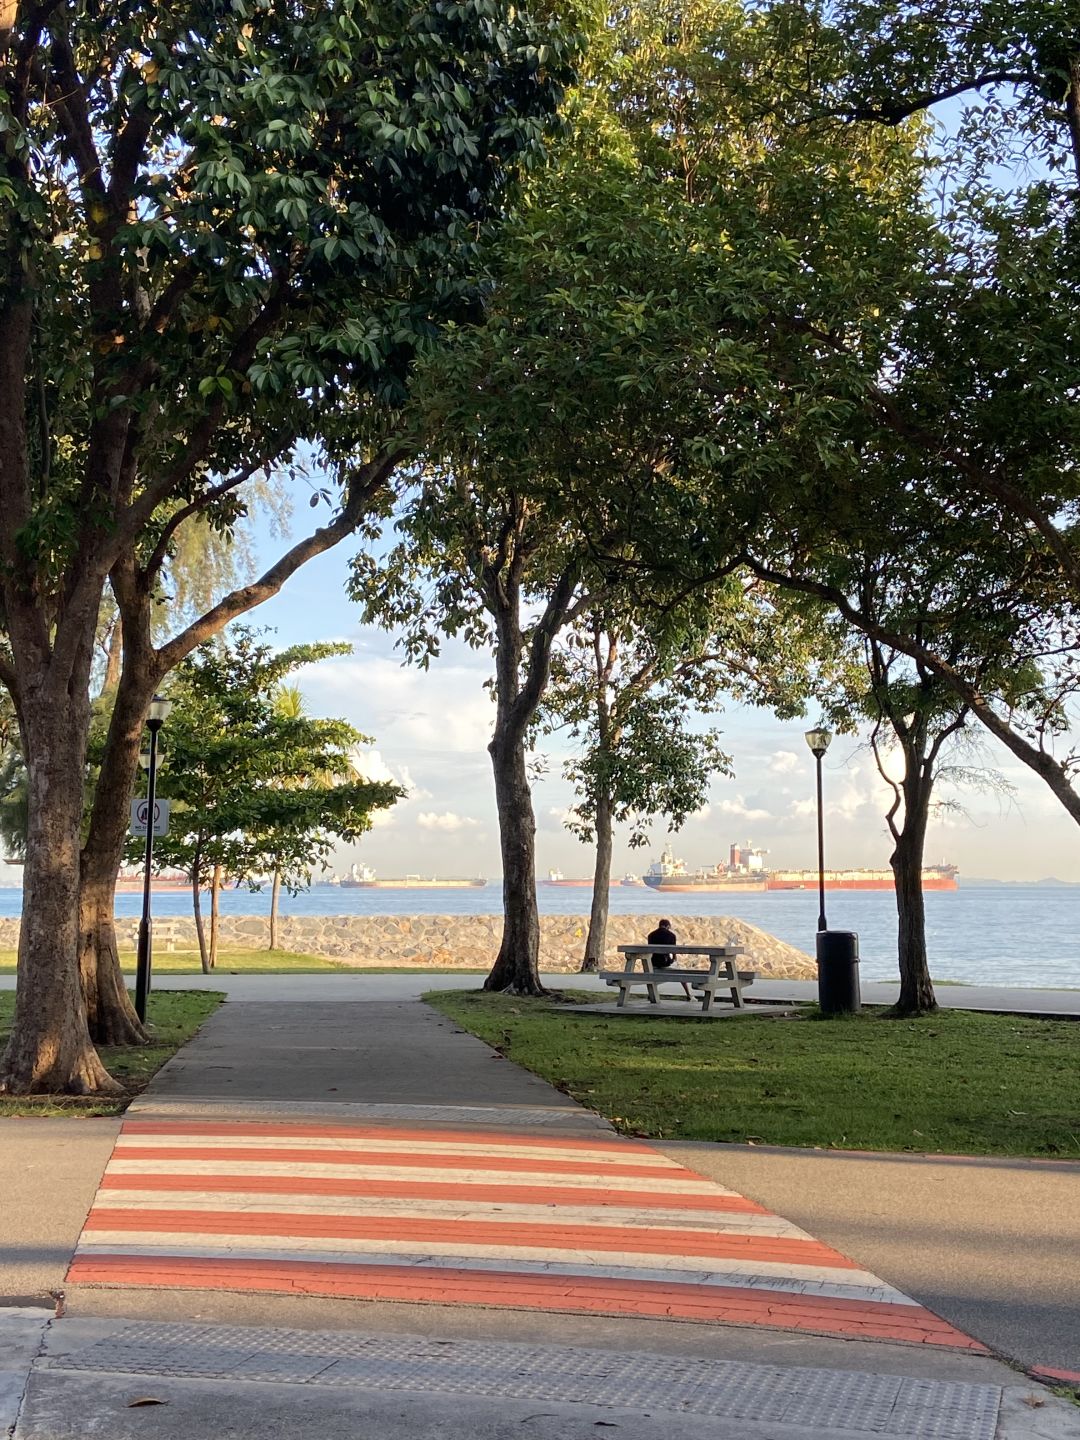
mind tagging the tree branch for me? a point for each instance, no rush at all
(194, 507)
(71, 108)
(896, 113)
(374, 475)
(1044, 765)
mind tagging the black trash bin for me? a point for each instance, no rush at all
(838, 972)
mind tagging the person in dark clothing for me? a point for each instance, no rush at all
(664, 935)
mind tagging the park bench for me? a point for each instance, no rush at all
(721, 972)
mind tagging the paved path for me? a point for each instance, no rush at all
(333, 986)
(409, 1184)
(474, 1217)
(385, 1161)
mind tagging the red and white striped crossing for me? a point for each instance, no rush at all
(491, 1218)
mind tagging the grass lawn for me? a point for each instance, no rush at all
(953, 1083)
(243, 962)
(175, 1017)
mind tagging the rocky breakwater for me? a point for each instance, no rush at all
(456, 942)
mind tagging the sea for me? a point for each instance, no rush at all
(1025, 935)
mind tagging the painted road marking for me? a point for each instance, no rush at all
(495, 1218)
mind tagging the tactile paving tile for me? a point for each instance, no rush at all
(837, 1400)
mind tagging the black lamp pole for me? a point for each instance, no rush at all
(819, 740)
(159, 709)
(821, 922)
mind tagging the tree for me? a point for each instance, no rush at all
(253, 783)
(216, 225)
(1017, 63)
(969, 402)
(586, 437)
(291, 857)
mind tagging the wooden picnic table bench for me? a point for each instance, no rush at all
(721, 973)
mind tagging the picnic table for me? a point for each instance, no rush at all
(721, 972)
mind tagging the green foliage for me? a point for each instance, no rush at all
(253, 786)
(234, 215)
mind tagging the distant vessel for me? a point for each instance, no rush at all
(743, 873)
(631, 879)
(129, 880)
(556, 877)
(363, 877)
(934, 877)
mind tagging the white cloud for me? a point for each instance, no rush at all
(442, 709)
(561, 814)
(702, 813)
(784, 762)
(739, 808)
(371, 765)
(447, 822)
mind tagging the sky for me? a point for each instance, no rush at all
(429, 731)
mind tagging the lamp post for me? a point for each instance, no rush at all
(819, 741)
(156, 716)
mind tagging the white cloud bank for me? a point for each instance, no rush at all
(448, 822)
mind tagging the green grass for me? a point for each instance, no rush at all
(954, 1083)
(239, 962)
(175, 1017)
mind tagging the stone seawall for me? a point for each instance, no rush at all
(454, 941)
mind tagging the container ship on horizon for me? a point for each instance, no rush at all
(745, 873)
(363, 877)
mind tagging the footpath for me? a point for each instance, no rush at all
(352, 1215)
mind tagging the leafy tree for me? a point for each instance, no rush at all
(969, 401)
(1012, 64)
(589, 434)
(216, 224)
(629, 686)
(255, 785)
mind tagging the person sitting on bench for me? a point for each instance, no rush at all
(664, 935)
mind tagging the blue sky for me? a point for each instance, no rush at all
(430, 729)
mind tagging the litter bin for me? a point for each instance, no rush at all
(838, 972)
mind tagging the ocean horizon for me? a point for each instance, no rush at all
(1025, 935)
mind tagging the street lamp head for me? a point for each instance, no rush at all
(819, 741)
(144, 759)
(158, 712)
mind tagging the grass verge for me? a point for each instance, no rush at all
(955, 1083)
(175, 1016)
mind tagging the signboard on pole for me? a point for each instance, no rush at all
(139, 814)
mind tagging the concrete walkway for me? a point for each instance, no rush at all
(333, 986)
(301, 1163)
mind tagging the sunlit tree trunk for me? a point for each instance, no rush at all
(596, 941)
(275, 895)
(215, 913)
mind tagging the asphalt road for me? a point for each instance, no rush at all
(990, 1244)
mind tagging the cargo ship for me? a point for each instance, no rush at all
(132, 880)
(934, 877)
(363, 877)
(556, 877)
(744, 872)
(741, 874)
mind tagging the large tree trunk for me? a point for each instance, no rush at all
(517, 965)
(596, 941)
(275, 896)
(916, 987)
(111, 1014)
(50, 1048)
